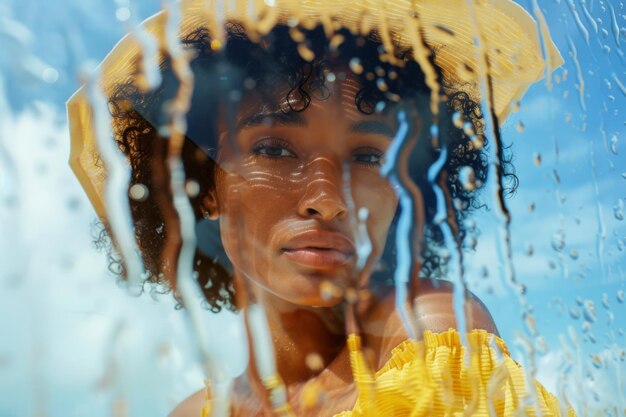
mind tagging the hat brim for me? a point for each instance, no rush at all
(507, 33)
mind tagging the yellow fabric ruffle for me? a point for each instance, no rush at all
(435, 377)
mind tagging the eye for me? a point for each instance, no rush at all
(368, 156)
(273, 148)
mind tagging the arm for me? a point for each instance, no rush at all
(191, 406)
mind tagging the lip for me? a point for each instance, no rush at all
(319, 249)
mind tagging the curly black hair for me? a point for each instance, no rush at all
(283, 57)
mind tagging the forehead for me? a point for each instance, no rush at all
(338, 91)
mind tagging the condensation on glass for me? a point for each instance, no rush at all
(345, 179)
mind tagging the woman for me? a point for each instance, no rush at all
(303, 123)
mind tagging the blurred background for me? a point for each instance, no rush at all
(73, 343)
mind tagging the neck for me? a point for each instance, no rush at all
(306, 339)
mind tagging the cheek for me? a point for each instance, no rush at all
(381, 201)
(250, 209)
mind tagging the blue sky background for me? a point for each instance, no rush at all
(73, 342)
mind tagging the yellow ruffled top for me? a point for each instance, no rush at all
(437, 377)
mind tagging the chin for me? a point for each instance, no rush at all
(313, 300)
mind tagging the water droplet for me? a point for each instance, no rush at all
(558, 241)
(138, 192)
(468, 129)
(249, 83)
(618, 209)
(352, 295)
(520, 127)
(531, 324)
(605, 301)
(620, 296)
(589, 310)
(614, 144)
(478, 141)
(330, 291)
(574, 312)
(573, 254)
(355, 66)
(50, 75)
(122, 14)
(537, 159)
(579, 301)
(484, 272)
(467, 176)
(530, 250)
(596, 361)
(586, 326)
(457, 119)
(531, 207)
(314, 362)
(192, 188)
(541, 345)
(216, 45)
(73, 203)
(382, 85)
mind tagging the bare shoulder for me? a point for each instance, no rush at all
(191, 406)
(433, 308)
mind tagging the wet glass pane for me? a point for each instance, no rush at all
(312, 208)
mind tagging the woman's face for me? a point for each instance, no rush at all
(289, 187)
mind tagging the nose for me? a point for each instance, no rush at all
(323, 197)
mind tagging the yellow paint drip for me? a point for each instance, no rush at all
(305, 52)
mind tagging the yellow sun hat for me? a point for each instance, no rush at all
(508, 37)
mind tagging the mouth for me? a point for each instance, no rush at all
(319, 249)
(318, 257)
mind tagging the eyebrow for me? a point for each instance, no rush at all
(373, 126)
(267, 116)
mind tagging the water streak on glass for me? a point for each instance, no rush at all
(579, 73)
(9, 196)
(149, 76)
(579, 23)
(452, 241)
(116, 192)
(186, 284)
(601, 230)
(492, 132)
(391, 170)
